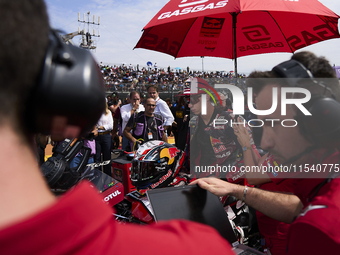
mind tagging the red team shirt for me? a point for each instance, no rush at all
(80, 223)
(316, 229)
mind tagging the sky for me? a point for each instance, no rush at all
(121, 24)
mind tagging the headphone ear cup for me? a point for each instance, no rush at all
(322, 127)
(70, 89)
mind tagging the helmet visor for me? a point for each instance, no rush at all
(145, 170)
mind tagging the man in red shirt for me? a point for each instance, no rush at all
(274, 233)
(32, 219)
(307, 147)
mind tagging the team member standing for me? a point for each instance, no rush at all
(103, 140)
(314, 209)
(145, 125)
(162, 107)
(126, 111)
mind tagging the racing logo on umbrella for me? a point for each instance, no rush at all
(256, 33)
(211, 27)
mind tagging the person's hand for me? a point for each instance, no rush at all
(137, 141)
(216, 186)
(185, 118)
(242, 134)
(119, 102)
(101, 128)
(135, 104)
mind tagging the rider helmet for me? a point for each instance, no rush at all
(155, 165)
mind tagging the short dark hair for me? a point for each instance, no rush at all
(152, 86)
(321, 70)
(319, 66)
(24, 38)
(134, 93)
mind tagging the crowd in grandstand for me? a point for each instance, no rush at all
(129, 78)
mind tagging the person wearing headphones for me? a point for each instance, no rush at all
(32, 219)
(309, 148)
(115, 102)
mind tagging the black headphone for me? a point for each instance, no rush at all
(322, 128)
(69, 89)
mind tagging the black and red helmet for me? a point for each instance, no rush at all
(155, 165)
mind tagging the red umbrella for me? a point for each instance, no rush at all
(236, 28)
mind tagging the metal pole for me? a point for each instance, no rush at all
(202, 64)
(235, 45)
(172, 93)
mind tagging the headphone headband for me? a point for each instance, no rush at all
(323, 126)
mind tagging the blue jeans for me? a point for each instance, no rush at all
(125, 142)
(74, 163)
(103, 146)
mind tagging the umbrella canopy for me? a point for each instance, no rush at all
(236, 28)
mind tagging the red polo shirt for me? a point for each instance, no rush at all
(316, 229)
(275, 232)
(80, 223)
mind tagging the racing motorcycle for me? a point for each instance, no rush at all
(155, 164)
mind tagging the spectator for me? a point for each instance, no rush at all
(179, 126)
(145, 125)
(127, 111)
(168, 102)
(89, 142)
(104, 140)
(117, 79)
(115, 109)
(117, 132)
(41, 143)
(161, 107)
(115, 102)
